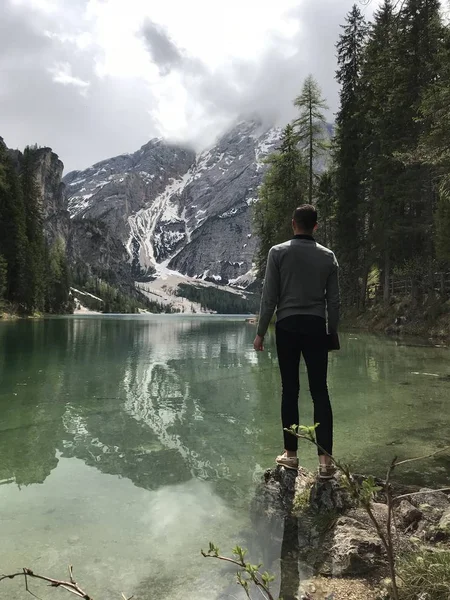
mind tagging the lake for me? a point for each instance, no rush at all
(127, 443)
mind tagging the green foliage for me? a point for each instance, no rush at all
(442, 241)
(33, 276)
(221, 301)
(391, 153)
(111, 299)
(248, 574)
(425, 572)
(282, 191)
(350, 122)
(3, 276)
(36, 256)
(310, 127)
(58, 279)
(326, 207)
(301, 500)
(13, 235)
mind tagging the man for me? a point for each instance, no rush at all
(302, 284)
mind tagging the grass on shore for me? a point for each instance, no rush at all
(425, 572)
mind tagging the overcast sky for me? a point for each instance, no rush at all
(95, 78)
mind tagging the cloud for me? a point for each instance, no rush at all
(62, 73)
(93, 78)
(164, 53)
(51, 94)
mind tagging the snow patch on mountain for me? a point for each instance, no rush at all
(165, 209)
(143, 224)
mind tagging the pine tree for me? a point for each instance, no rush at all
(282, 191)
(310, 126)
(326, 199)
(350, 215)
(3, 276)
(417, 66)
(434, 149)
(380, 168)
(58, 279)
(13, 240)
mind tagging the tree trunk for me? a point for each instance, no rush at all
(363, 289)
(310, 153)
(387, 275)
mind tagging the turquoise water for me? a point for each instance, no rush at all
(128, 443)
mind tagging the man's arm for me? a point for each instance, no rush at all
(333, 298)
(270, 294)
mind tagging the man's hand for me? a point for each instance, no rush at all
(258, 344)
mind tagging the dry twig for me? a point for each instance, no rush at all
(70, 586)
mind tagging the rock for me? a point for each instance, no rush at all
(48, 170)
(329, 495)
(408, 514)
(444, 523)
(356, 548)
(428, 499)
(275, 496)
(328, 535)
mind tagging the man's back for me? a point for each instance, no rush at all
(302, 283)
(301, 279)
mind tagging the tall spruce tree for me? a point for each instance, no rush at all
(434, 148)
(310, 127)
(380, 168)
(350, 215)
(326, 199)
(13, 238)
(281, 192)
(3, 276)
(416, 64)
(58, 280)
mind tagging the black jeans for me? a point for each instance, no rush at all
(290, 347)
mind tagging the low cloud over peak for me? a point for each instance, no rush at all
(95, 79)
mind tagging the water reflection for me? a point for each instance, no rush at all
(163, 400)
(148, 436)
(145, 400)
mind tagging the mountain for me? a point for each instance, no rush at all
(165, 211)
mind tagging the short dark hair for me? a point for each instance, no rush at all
(305, 217)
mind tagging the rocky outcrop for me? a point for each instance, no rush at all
(49, 170)
(329, 535)
(165, 205)
(108, 200)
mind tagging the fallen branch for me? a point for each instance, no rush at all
(422, 492)
(70, 586)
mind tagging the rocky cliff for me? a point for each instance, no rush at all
(48, 172)
(166, 209)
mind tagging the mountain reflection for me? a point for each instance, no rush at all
(163, 400)
(143, 399)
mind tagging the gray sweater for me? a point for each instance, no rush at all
(301, 279)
